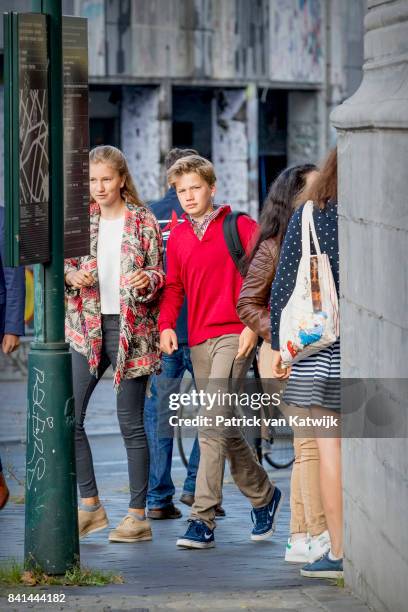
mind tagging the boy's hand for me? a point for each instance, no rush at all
(247, 342)
(277, 370)
(168, 341)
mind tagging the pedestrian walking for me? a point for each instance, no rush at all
(200, 267)
(308, 530)
(12, 303)
(112, 310)
(173, 367)
(314, 381)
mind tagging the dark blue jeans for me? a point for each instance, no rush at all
(159, 433)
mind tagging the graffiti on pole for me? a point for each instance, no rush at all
(36, 465)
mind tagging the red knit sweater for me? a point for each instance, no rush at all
(204, 271)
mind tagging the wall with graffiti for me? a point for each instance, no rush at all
(296, 40)
(234, 39)
(140, 138)
(230, 147)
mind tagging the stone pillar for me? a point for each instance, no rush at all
(140, 137)
(373, 231)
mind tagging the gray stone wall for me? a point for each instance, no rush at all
(334, 32)
(280, 40)
(94, 11)
(304, 126)
(140, 137)
(344, 54)
(373, 231)
(292, 44)
(296, 40)
(230, 147)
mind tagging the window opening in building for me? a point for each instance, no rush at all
(192, 118)
(273, 128)
(104, 116)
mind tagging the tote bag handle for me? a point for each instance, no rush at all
(307, 226)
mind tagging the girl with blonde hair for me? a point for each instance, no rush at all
(112, 310)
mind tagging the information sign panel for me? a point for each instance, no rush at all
(26, 103)
(26, 139)
(76, 137)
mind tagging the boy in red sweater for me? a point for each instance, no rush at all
(200, 267)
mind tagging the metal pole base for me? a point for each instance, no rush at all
(51, 524)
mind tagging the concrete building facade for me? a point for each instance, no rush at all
(249, 84)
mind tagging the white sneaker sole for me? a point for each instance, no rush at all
(297, 559)
(322, 574)
(184, 543)
(267, 534)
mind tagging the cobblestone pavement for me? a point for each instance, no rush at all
(237, 575)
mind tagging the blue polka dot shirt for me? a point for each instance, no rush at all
(285, 279)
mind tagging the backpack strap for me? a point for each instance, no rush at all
(232, 239)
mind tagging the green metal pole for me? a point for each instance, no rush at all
(51, 527)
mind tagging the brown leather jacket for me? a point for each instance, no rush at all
(253, 302)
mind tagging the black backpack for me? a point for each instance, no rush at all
(237, 252)
(233, 241)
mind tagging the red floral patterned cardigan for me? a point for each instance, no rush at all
(139, 345)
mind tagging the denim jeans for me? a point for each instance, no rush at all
(160, 434)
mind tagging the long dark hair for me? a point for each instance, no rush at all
(279, 205)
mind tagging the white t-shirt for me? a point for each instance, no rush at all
(108, 259)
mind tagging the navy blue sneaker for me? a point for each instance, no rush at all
(198, 535)
(264, 518)
(323, 568)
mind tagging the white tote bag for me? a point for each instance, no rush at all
(310, 320)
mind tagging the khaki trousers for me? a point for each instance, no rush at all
(306, 509)
(213, 362)
(307, 515)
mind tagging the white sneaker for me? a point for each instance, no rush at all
(297, 551)
(319, 546)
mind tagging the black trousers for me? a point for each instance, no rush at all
(130, 405)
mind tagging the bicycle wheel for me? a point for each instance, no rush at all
(280, 454)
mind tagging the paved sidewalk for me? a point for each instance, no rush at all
(237, 575)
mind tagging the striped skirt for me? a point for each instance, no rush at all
(315, 380)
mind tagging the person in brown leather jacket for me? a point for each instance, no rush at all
(308, 528)
(285, 192)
